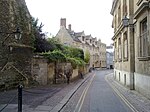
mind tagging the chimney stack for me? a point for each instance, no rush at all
(63, 22)
(69, 27)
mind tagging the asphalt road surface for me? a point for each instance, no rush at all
(96, 96)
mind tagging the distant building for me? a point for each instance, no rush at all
(109, 58)
(95, 47)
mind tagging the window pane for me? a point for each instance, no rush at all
(143, 39)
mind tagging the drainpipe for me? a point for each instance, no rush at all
(132, 57)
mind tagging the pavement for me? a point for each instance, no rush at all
(132, 98)
(52, 104)
(60, 99)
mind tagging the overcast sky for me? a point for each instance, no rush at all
(92, 16)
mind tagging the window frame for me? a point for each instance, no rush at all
(125, 46)
(119, 14)
(119, 49)
(143, 39)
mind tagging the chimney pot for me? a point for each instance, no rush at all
(63, 22)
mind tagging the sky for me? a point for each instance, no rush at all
(91, 16)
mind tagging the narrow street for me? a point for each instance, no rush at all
(97, 92)
(96, 95)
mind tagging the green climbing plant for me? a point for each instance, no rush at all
(87, 56)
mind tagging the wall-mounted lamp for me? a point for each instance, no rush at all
(17, 34)
(125, 21)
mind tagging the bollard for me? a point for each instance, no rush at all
(20, 98)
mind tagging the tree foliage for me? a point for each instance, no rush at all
(67, 56)
(87, 56)
(55, 44)
(73, 52)
(41, 44)
(55, 56)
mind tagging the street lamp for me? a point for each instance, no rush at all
(125, 21)
(16, 33)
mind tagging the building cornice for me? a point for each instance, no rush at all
(142, 7)
(113, 6)
(118, 31)
(139, 2)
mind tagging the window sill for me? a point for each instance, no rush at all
(125, 59)
(119, 60)
(115, 60)
(143, 58)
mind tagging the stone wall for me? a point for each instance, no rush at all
(15, 55)
(40, 70)
(43, 71)
(75, 74)
(51, 73)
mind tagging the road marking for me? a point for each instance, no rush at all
(82, 97)
(121, 96)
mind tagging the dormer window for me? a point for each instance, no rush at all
(95, 43)
(90, 41)
(83, 38)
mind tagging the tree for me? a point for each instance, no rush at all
(73, 52)
(87, 56)
(40, 42)
(55, 44)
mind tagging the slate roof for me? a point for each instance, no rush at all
(88, 37)
(78, 34)
(76, 39)
(75, 35)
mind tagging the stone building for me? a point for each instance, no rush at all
(15, 55)
(132, 44)
(123, 42)
(142, 46)
(95, 47)
(110, 56)
(109, 60)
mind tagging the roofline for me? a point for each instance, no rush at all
(113, 6)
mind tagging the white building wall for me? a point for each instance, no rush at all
(142, 84)
(123, 78)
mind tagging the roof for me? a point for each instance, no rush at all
(78, 34)
(75, 35)
(88, 37)
(76, 39)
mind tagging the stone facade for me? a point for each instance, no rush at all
(132, 44)
(95, 47)
(123, 41)
(43, 71)
(15, 54)
(142, 46)
(110, 57)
